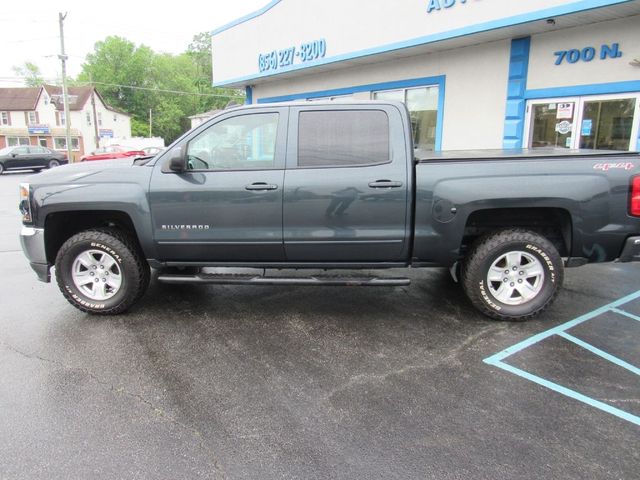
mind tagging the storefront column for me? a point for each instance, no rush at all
(516, 88)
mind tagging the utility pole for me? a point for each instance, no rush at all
(150, 121)
(96, 136)
(65, 97)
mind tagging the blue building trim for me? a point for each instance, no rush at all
(249, 95)
(440, 81)
(246, 18)
(561, 10)
(580, 90)
(516, 89)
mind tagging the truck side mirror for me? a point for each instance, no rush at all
(178, 161)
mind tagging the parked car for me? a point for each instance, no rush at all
(331, 186)
(30, 157)
(112, 152)
(152, 151)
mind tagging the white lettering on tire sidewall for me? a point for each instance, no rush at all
(540, 253)
(546, 259)
(72, 292)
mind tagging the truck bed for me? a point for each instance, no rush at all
(515, 154)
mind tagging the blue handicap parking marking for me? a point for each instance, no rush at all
(617, 308)
(631, 309)
(626, 314)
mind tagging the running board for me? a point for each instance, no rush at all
(217, 279)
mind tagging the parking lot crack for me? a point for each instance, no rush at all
(123, 391)
(369, 378)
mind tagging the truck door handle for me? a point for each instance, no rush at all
(260, 186)
(385, 184)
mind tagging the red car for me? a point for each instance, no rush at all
(111, 152)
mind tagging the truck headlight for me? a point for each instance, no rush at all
(25, 203)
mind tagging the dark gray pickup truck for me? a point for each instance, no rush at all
(329, 186)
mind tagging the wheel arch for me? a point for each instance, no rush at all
(60, 226)
(555, 224)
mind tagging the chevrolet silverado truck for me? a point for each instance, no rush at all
(329, 186)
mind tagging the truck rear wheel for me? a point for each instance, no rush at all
(101, 271)
(512, 274)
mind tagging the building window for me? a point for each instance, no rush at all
(16, 141)
(606, 122)
(5, 119)
(60, 143)
(99, 119)
(422, 103)
(42, 141)
(88, 117)
(32, 118)
(343, 138)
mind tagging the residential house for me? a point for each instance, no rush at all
(35, 116)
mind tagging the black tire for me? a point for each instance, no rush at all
(53, 163)
(131, 264)
(492, 248)
(1, 168)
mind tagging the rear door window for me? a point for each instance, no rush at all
(342, 138)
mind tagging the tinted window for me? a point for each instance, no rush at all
(237, 143)
(343, 137)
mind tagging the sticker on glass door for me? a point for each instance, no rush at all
(552, 125)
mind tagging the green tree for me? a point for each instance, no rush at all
(30, 74)
(136, 80)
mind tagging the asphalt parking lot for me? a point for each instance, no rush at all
(316, 382)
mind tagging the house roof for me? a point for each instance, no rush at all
(26, 99)
(78, 97)
(19, 98)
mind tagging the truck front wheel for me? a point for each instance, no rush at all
(512, 274)
(101, 271)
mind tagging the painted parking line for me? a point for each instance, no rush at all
(497, 360)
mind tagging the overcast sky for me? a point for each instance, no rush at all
(30, 29)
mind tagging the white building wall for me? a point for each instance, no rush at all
(543, 73)
(106, 119)
(475, 85)
(351, 27)
(46, 110)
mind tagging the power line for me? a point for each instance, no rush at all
(160, 90)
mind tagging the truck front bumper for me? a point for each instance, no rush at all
(32, 241)
(631, 250)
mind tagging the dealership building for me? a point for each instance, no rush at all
(473, 73)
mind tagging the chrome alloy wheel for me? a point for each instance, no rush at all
(515, 278)
(96, 274)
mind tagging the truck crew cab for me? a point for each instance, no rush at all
(330, 186)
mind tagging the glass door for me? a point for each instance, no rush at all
(552, 123)
(606, 122)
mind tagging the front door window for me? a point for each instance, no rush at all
(245, 142)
